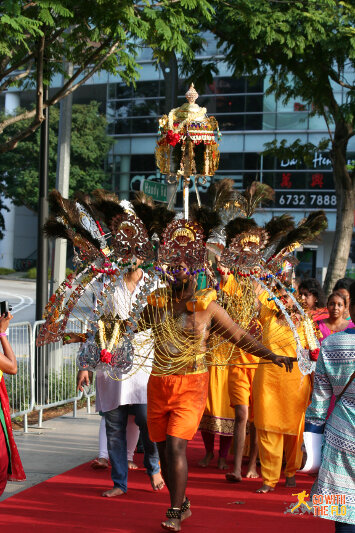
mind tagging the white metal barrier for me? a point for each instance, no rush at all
(55, 372)
(46, 375)
(20, 387)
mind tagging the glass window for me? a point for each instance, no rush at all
(254, 85)
(251, 161)
(292, 121)
(254, 103)
(229, 85)
(231, 161)
(123, 90)
(143, 163)
(122, 126)
(230, 122)
(230, 104)
(254, 121)
(141, 107)
(269, 162)
(269, 179)
(147, 88)
(111, 91)
(269, 121)
(144, 125)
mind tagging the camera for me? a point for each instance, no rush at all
(5, 308)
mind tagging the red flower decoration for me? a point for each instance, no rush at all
(106, 356)
(172, 138)
(313, 354)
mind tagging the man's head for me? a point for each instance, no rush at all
(181, 277)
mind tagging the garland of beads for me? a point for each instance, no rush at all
(313, 342)
(305, 365)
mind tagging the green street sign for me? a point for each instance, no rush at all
(158, 191)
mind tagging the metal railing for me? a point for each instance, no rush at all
(46, 375)
(20, 387)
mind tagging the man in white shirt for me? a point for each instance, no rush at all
(118, 399)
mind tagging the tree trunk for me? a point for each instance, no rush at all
(345, 194)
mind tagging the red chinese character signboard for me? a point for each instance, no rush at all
(286, 180)
(317, 180)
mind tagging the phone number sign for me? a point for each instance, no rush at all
(305, 199)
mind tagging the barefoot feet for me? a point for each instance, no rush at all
(171, 524)
(290, 481)
(132, 465)
(116, 491)
(206, 460)
(100, 463)
(252, 472)
(157, 481)
(265, 489)
(222, 464)
(234, 477)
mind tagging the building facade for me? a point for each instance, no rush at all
(248, 118)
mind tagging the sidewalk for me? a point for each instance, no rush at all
(63, 443)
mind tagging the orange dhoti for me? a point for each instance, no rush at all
(175, 405)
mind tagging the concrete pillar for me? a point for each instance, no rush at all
(125, 167)
(62, 179)
(12, 102)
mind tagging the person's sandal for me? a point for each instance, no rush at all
(172, 512)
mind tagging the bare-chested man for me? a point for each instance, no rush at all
(176, 399)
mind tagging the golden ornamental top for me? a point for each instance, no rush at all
(191, 94)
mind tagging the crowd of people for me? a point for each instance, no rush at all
(228, 399)
(264, 406)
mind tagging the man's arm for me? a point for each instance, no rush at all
(70, 338)
(230, 331)
(82, 379)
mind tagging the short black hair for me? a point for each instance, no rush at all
(352, 293)
(343, 283)
(339, 295)
(313, 286)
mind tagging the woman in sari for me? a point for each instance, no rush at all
(10, 462)
(335, 374)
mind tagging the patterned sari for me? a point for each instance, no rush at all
(336, 475)
(15, 470)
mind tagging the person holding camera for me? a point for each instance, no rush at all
(10, 462)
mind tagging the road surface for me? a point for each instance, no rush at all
(22, 296)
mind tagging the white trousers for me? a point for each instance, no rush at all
(132, 438)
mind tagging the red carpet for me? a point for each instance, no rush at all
(72, 502)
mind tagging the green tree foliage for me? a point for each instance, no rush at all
(36, 37)
(308, 49)
(89, 146)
